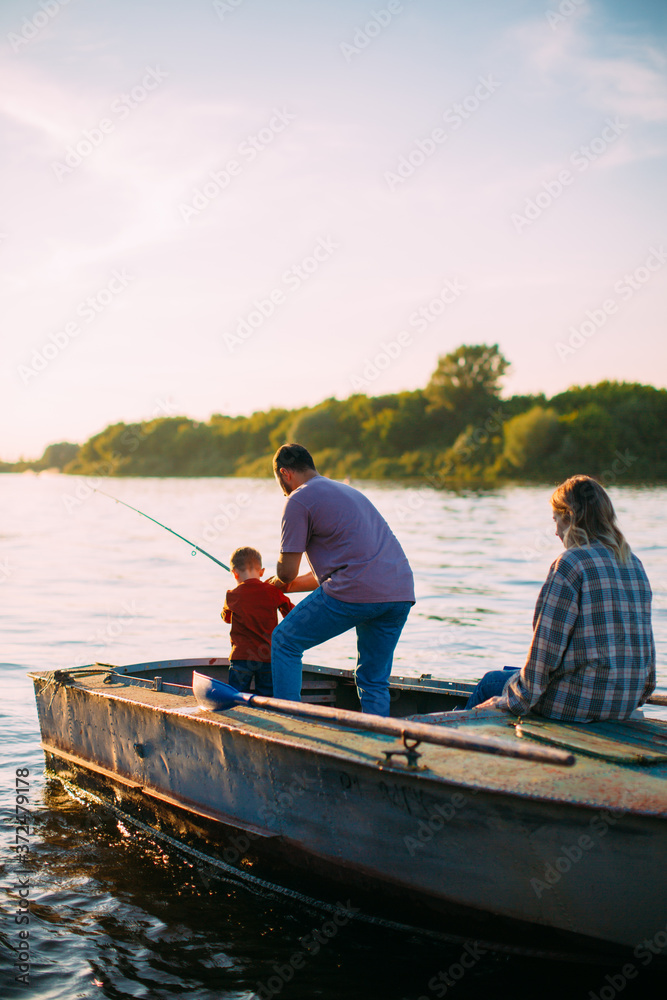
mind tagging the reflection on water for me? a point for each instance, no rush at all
(95, 581)
(118, 913)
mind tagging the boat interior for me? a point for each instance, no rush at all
(330, 686)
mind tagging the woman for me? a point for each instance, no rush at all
(592, 655)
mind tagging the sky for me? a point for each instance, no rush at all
(220, 207)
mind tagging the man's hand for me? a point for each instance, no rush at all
(299, 585)
(286, 570)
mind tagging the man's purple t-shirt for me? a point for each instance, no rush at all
(350, 547)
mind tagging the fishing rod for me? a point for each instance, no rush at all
(192, 544)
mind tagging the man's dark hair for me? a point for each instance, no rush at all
(292, 456)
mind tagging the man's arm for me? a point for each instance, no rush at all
(306, 582)
(286, 570)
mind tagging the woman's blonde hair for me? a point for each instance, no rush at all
(588, 516)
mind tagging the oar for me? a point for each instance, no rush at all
(218, 696)
(137, 511)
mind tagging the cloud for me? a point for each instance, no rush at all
(128, 187)
(626, 87)
(32, 103)
(631, 83)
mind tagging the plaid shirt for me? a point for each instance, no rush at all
(592, 655)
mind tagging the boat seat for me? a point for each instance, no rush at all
(316, 691)
(623, 742)
(630, 741)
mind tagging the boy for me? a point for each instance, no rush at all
(251, 608)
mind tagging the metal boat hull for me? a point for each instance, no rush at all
(462, 830)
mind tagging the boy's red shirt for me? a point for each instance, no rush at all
(252, 608)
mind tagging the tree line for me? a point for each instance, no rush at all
(456, 431)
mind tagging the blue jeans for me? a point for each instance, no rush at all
(241, 672)
(320, 617)
(490, 685)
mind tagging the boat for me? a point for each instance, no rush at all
(520, 832)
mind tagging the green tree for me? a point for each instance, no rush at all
(473, 458)
(102, 454)
(455, 431)
(589, 441)
(333, 424)
(465, 384)
(638, 415)
(530, 439)
(57, 456)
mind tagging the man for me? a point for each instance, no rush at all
(360, 578)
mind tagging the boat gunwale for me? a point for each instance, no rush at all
(232, 724)
(435, 685)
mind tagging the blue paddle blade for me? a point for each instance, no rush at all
(216, 695)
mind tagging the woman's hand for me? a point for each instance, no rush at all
(490, 705)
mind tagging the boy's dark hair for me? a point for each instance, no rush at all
(241, 558)
(293, 456)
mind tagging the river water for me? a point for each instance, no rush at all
(115, 911)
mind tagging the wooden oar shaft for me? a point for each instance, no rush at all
(440, 735)
(657, 699)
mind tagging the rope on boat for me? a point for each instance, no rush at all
(61, 678)
(245, 880)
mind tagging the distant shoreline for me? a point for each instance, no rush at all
(456, 432)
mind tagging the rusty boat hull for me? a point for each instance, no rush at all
(457, 838)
